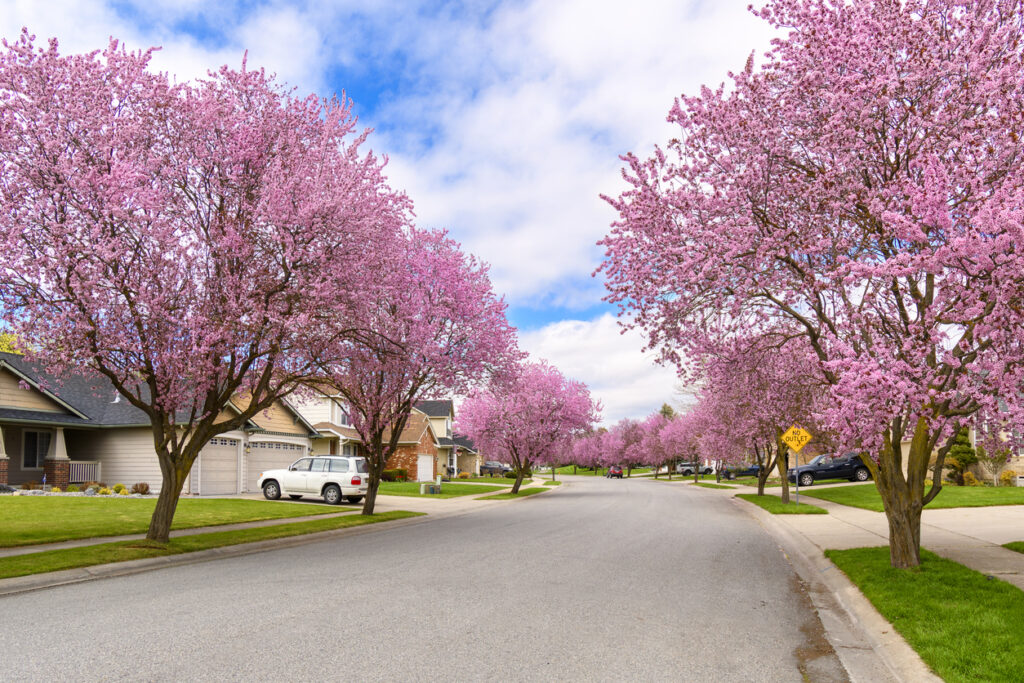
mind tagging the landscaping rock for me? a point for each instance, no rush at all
(90, 492)
(4, 488)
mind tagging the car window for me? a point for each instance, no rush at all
(319, 465)
(361, 466)
(301, 465)
(339, 465)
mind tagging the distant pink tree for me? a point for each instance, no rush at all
(863, 185)
(188, 242)
(436, 327)
(530, 417)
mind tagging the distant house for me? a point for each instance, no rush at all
(79, 428)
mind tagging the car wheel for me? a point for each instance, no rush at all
(862, 474)
(806, 479)
(294, 496)
(355, 499)
(707, 470)
(332, 494)
(271, 490)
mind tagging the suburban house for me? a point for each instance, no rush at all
(427, 446)
(79, 428)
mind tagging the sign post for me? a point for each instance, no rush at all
(796, 438)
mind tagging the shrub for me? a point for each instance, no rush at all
(90, 485)
(140, 487)
(123, 492)
(104, 491)
(403, 474)
(31, 485)
(971, 480)
(1008, 478)
(397, 474)
(464, 475)
(118, 488)
(55, 489)
(72, 488)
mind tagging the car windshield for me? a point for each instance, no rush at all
(361, 466)
(818, 460)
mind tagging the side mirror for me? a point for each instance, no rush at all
(292, 468)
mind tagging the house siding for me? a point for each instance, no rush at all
(13, 396)
(314, 410)
(126, 456)
(406, 456)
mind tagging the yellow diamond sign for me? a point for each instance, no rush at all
(796, 438)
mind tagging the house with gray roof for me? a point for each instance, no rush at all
(78, 428)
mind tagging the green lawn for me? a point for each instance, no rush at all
(709, 485)
(600, 471)
(105, 553)
(774, 505)
(502, 481)
(522, 494)
(965, 626)
(30, 520)
(866, 496)
(448, 490)
(1016, 545)
(552, 483)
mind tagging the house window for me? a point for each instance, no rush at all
(448, 427)
(339, 417)
(349, 449)
(35, 447)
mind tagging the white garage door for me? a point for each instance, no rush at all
(269, 455)
(218, 468)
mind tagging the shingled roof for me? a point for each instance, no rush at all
(436, 408)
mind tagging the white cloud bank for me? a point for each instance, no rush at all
(628, 383)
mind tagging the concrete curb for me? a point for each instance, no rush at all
(856, 620)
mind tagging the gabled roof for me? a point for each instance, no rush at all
(436, 408)
(463, 441)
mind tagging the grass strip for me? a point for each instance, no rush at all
(448, 490)
(1015, 545)
(709, 485)
(775, 505)
(522, 494)
(124, 551)
(867, 498)
(29, 520)
(503, 481)
(964, 625)
(552, 483)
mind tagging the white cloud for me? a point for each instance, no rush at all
(628, 383)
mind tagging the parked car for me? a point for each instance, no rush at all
(688, 468)
(493, 468)
(331, 477)
(614, 471)
(830, 466)
(738, 471)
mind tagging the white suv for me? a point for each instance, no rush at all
(332, 477)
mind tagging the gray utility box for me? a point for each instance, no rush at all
(429, 488)
(1020, 480)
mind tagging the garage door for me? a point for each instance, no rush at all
(269, 455)
(218, 468)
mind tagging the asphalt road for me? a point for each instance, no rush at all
(601, 580)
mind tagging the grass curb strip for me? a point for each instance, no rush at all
(126, 551)
(934, 605)
(867, 498)
(777, 507)
(508, 496)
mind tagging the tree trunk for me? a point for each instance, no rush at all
(167, 502)
(519, 480)
(783, 463)
(552, 473)
(903, 496)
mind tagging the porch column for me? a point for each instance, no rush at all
(57, 465)
(3, 458)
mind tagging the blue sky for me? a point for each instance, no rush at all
(503, 121)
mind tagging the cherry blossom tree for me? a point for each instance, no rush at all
(863, 184)
(437, 328)
(529, 417)
(188, 242)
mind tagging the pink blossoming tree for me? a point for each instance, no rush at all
(865, 185)
(437, 329)
(528, 418)
(189, 242)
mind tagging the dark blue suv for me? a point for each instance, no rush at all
(831, 466)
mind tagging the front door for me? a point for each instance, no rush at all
(424, 468)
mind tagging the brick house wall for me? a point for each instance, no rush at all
(406, 456)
